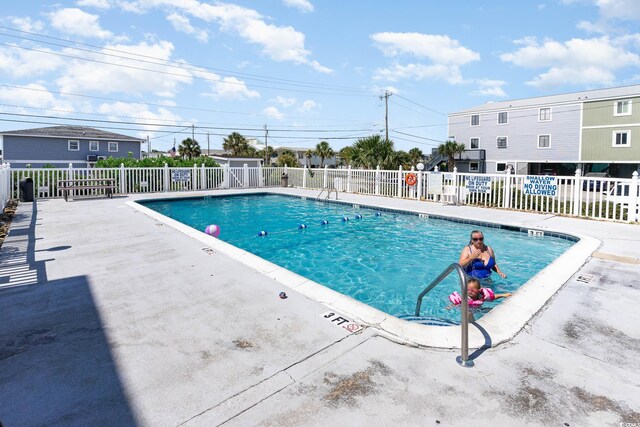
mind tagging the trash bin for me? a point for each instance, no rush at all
(26, 190)
(285, 180)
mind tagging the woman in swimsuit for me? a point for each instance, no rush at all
(478, 259)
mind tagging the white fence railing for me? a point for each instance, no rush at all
(614, 199)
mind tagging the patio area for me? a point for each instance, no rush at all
(108, 316)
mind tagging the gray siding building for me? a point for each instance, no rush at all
(542, 135)
(60, 145)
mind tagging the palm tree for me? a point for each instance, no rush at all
(451, 149)
(236, 143)
(189, 148)
(288, 158)
(346, 155)
(415, 156)
(308, 155)
(266, 154)
(372, 151)
(324, 150)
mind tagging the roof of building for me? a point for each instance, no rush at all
(235, 158)
(583, 96)
(83, 132)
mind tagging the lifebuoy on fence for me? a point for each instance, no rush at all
(411, 179)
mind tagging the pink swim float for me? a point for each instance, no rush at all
(487, 295)
(212, 230)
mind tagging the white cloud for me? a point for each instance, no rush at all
(35, 95)
(26, 24)
(448, 73)
(83, 76)
(273, 113)
(280, 43)
(577, 61)
(98, 4)
(302, 5)
(628, 10)
(140, 113)
(182, 24)
(437, 48)
(446, 56)
(307, 106)
(490, 88)
(230, 88)
(76, 22)
(23, 63)
(285, 102)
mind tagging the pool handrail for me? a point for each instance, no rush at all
(463, 359)
(329, 190)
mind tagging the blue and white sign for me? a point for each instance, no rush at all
(478, 184)
(540, 185)
(181, 175)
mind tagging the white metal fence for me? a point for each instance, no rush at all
(614, 199)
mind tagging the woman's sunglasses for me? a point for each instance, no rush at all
(477, 239)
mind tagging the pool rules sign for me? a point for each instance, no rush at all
(540, 185)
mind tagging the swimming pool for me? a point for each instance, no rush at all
(383, 259)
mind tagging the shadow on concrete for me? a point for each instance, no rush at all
(487, 342)
(56, 365)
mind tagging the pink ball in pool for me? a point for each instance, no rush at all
(212, 230)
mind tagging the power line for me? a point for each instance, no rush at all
(180, 64)
(176, 125)
(103, 98)
(190, 76)
(420, 105)
(171, 132)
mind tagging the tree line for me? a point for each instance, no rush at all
(367, 152)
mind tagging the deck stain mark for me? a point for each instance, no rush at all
(243, 344)
(602, 403)
(345, 389)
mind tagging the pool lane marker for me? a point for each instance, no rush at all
(341, 321)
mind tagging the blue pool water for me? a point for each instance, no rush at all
(383, 260)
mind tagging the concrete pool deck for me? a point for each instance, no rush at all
(110, 317)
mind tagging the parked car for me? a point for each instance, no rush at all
(592, 181)
(548, 172)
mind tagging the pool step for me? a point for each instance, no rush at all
(428, 320)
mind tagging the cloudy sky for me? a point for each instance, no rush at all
(307, 69)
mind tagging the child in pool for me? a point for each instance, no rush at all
(477, 295)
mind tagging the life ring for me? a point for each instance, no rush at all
(411, 179)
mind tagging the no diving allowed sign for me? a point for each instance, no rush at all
(341, 321)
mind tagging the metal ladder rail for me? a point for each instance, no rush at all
(329, 190)
(463, 359)
(321, 191)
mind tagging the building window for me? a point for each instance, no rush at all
(622, 108)
(502, 142)
(475, 142)
(94, 146)
(544, 114)
(501, 167)
(74, 145)
(475, 120)
(503, 118)
(544, 141)
(622, 138)
(113, 147)
(473, 166)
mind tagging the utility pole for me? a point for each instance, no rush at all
(193, 132)
(148, 147)
(266, 147)
(208, 146)
(386, 96)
